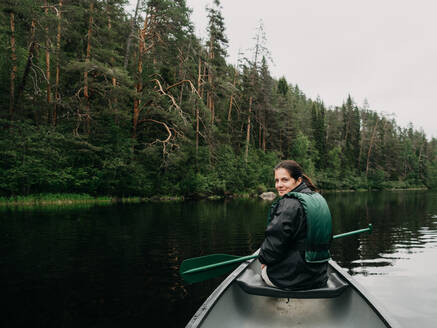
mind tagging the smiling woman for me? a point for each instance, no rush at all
(289, 175)
(295, 250)
(284, 183)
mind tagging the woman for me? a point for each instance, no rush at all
(295, 251)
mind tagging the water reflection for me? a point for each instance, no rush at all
(401, 221)
(397, 261)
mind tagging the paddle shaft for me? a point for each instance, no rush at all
(249, 257)
(346, 234)
(215, 265)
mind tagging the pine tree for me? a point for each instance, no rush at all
(216, 64)
(351, 134)
(319, 132)
(282, 86)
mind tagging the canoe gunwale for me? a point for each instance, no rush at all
(376, 306)
(204, 309)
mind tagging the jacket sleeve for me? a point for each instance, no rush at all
(281, 231)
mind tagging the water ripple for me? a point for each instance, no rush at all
(378, 262)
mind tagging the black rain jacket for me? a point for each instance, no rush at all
(283, 247)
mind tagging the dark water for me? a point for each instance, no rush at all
(112, 266)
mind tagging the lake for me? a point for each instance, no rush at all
(117, 265)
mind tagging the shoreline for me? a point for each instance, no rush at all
(371, 190)
(73, 199)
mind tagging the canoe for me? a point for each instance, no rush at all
(244, 300)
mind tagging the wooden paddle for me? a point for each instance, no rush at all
(201, 268)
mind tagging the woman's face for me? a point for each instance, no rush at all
(284, 183)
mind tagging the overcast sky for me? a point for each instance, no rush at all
(384, 51)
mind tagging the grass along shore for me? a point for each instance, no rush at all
(62, 199)
(71, 199)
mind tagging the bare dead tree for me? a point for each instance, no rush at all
(139, 86)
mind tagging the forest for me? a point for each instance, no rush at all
(100, 101)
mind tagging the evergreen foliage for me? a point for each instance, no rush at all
(86, 112)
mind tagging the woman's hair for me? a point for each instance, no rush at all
(296, 172)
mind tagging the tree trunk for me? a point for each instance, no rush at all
(264, 135)
(202, 89)
(114, 80)
(197, 107)
(212, 109)
(181, 75)
(232, 97)
(210, 93)
(47, 53)
(199, 76)
(246, 153)
(112, 61)
(58, 68)
(131, 35)
(139, 86)
(197, 130)
(85, 74)
(32, 49)
(230, 107)
(14, 66)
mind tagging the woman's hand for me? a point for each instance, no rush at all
(262, 266)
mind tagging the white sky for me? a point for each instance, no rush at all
(384, 51)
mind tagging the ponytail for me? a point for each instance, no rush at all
(309, 183)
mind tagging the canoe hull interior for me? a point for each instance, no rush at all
(230, 306)
(239, 309)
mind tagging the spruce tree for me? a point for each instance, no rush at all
(216, 63)
(351, 134)
(319, 132)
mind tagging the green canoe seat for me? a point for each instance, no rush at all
(252, 283)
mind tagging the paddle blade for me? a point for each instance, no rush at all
(204, 261)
